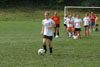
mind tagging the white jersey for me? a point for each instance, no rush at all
(65, 20)
(86, 21)
(46, 23)
(78, 23)
(73, 18)
(69, 24)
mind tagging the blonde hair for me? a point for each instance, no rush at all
(46, 12)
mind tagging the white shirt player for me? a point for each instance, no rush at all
(86, 21)
(73, 18)
(65, 20)
(71, 22)
(46, 23)
(78, 23)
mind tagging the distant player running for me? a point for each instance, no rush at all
(56, 19)
(86, 24)
(77, 25)
(47, 31)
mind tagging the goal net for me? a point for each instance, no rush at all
(80, 9)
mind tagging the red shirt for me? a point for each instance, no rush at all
(56, 19)
(92, 18)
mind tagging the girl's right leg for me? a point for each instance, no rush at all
(85, 31)
(64, 29)
(69, 33)
(79, 35)
(54, 31)
(57, 31)
(44, 44)
(50, 47)
(75, 33)
(96, 28)
(72, 31)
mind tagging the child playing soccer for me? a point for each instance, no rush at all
(47, 31)
(86, 24)
(77, 24)
(70, 24)
(56, 19)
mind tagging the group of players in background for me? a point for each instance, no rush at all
(71, 22)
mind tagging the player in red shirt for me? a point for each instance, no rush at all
(92, 21)
(56, 19)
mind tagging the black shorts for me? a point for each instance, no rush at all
(48, 37)
(97, 25)
(57, 25)
(77, 29)
(86, 25)
(65, 25)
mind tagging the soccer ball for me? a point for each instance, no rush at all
(75, 37)
(56, 36)
(41, 51)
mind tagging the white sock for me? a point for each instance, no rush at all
(69, 33)
(89, 30)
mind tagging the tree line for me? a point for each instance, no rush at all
(49, 3)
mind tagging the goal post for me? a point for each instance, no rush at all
(80, 7)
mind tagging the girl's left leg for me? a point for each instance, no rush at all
(79, 35)
(57, 31)
(50, 47)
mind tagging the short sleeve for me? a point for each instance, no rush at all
(52, 17)
(52, 21)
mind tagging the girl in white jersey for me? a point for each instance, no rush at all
(86, 24)
(70, 24)
(77, 24)
(65, 21)
(47, 31)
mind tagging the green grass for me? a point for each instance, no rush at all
(21, 39)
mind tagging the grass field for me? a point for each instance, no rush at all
(20, 39)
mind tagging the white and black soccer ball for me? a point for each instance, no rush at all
(56, 36)
(41, 51)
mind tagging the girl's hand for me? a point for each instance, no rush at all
(49, 27)
(41, 33)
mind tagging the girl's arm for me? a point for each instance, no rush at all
(42, 30)
(50, 27)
